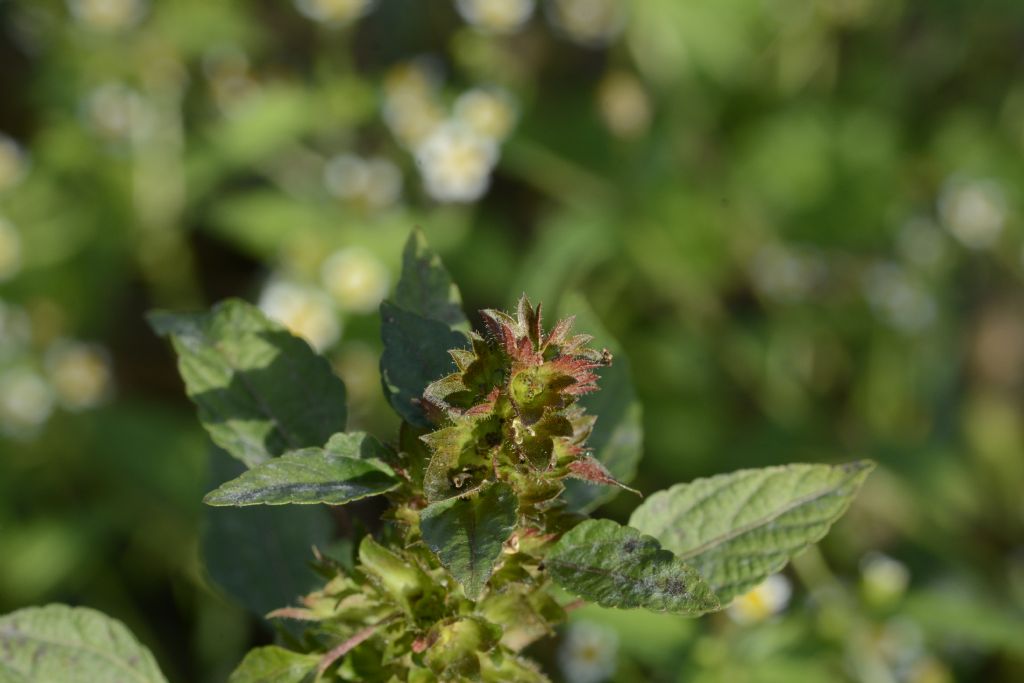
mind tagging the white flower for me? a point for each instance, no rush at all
(356, 279)
(456, 163)
(973, 211)
(624, 104)
(113, 109)
(80, 374)
(899, 299)
(496, 16)
(588, 652)
(334, 11)
(763, 601)
(883, 579)
(26, 402)
(411, 108)
(376, 182)
(107, 15)
(306, 311)
(785, 275)
(589, 22)
(13, 162)
(10, 251)
(488, 111)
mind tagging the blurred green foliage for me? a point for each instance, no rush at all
(800, 220)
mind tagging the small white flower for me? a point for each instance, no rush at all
(898, 298)
(80, 374)
(107, 15)
(589, 22)
(356, 279)
(496, 16)
(112, 110)
(456, 163)
(376, 182)
(883, 579)
(345, 176)
(488, 111)
(588, 652)
(13, 162)
(784, 274)
(334, 11)
(763, 601)
(26, 402)
(624, 105)
(306, 311)
(974, 211)
(411, 108)
(10, 251)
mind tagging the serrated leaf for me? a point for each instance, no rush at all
(260, 391)
(274, 664)
(467, 534)
(334, 475)
(617, 566)
(737, 529)
(61, 644)
(260, 556)
(415, 354)
(425, 287)
(617, 439)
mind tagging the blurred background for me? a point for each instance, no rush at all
(799, 218)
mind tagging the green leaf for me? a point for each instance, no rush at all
(617, 439)
(260, 556)
(260, 390)
(274, 664)
(617, 566)
(425, 287)
(736, 529)
(336, 474)
(467, 534)
(415, 354)
(61, 644)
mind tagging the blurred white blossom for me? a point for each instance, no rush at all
(26, 402)
(588, 652)
(112, 110)
(624, 104)
(412, 109)
(456, 163)
(107, 15)
(306, 311)
(496, 16)
(784, 274)
(898, 298)
(589, 22)
(375, 182)
(13, 162)
(883, 579)
(79, 373)
(763, 601)
(10, 251)
(334, 11)
(490, 112)
(356, 279)
(973, 210)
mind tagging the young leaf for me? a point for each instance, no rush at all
(272, 664)
(259, 555)
(467, 534)
(71, 645)
(415, 354)
(736, 529)
(617, 439)
(617, 566)
(425, 287)
(260, 390)
(335, 475)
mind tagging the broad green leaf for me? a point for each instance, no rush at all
(415, 354)
(61, 644)
(736, 529)
(260, 390)
(617, 566)
(617, 439)
(272, 664)
(425, 287)
(259, 556)
(467, 534)
(335, 475)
